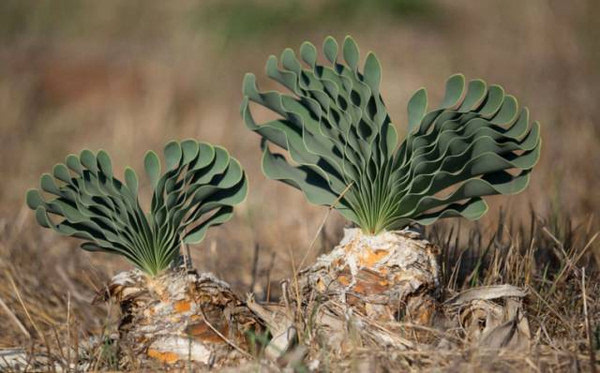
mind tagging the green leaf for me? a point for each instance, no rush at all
(48, 185)
(417, 106)
(152, 167)
(351, 52)
(104, 164)
(330, 48)
(455, 86)
(61, 172)
(173, 155)
(197, 234)
(72, 161)
(308, 52)
(88, 160)
(493, 101)
(131, 181)
(34, 199)
(372, 72)
(190, 149)
(476, 93)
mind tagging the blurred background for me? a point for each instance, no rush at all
(127, 76)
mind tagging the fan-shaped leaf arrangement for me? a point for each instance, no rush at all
(342, 148)
(198, 189)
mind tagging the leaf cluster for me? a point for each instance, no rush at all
(198, 189)
(341, 149)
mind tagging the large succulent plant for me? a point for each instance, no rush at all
(342, 148)
(198, 189)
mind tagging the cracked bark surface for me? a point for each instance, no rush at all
(389, 277)
(361, 294)
(363, 283)
(182, 317)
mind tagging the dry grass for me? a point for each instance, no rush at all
(127, 77)
(550, 261)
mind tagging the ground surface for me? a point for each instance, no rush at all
(127, 77)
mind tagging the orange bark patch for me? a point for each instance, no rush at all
(202, 332)
(372, 257)
(424, 318)
(367, 287)
(356, 303)
(165, 357)
(344, 280)
(367, 282)
(182, 306)
(423, 313)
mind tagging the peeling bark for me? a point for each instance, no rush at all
(389, 277)
(359, 295)
(365, 282)
(182, 317)
(364, 291)
(491, 316)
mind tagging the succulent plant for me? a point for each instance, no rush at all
(342, 149)
(198, 189)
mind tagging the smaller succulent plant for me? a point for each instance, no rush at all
(343, 152)
(198, 189)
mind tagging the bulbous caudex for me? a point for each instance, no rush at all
(181, 317)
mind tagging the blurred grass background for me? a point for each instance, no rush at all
(128, 76)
